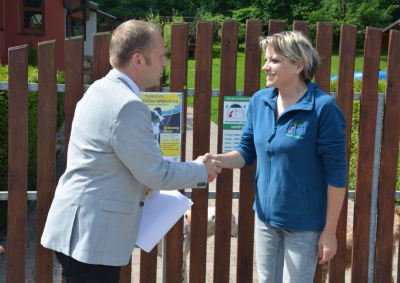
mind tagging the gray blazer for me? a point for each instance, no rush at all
(112, 159)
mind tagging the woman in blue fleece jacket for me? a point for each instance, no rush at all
(296, 133)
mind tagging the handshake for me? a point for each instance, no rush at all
(213, 165)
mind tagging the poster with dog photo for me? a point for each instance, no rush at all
(166, 117)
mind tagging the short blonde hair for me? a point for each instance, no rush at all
(131, 37)
(296, 47)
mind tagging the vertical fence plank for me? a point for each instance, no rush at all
(324, 48)
(46, 154)
(201, 145)
(276, 26)
(17, 162)
(178, 80)
(252, 69)
(148, 261)
(73, 82)
(303, 26)
(223, 202)
(344, 98)
(365, 155)
(389, 161)
(101, 65)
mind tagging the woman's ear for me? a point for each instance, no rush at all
(299, 66)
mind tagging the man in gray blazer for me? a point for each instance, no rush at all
(113, 158)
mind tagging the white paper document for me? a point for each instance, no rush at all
(162, 209)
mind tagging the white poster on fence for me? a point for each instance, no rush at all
(235, 109)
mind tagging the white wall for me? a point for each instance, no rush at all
(91, 29)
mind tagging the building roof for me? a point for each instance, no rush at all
(386, 32)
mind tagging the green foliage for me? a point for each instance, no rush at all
(242, 15)
(32, 126)
(374, 13)
(156, 19)
(205, 15)
(125, 8)
(357, 86)
(354, 145)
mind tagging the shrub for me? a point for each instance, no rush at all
(241, 15)
(32, 126)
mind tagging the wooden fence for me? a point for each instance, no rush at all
(74, 89)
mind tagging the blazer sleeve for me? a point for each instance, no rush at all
(133, 142)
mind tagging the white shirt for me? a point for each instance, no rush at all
(131, 83)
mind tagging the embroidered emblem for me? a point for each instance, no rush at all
(296, 130)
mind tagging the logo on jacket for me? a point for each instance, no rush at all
(296, 129)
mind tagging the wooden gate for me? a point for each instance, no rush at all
(74, 89)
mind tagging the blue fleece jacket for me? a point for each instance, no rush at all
(298, 155)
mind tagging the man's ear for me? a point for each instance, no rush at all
(138, 60)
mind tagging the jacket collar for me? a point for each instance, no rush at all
(304, 103)
(117, 75)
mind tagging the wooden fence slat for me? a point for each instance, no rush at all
(101, 65)
(365, 155)
(148, 266)
(17, 162)
(252, 69)
(223, 202)
(178, 79)
(148, 261)
(303, 26)
(46, 154)
(344, 98)
(73, 82)
(276, 26)
(388, 168)
(201, 145)
(324, 48)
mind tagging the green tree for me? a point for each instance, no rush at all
(362, 13)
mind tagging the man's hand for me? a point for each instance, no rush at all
(213, 166)
(209, 157)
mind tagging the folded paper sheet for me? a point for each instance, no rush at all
(162, 209)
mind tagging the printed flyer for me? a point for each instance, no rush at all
(166, 117)
(235, 108)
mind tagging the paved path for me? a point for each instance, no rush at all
(31, 231)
